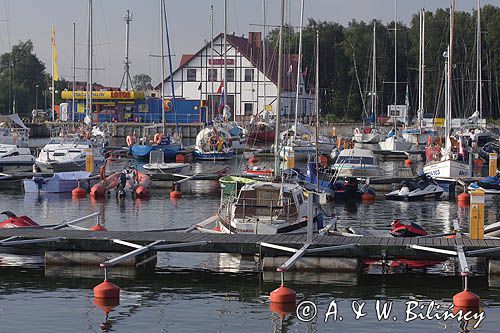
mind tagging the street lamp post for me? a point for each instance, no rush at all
(36, 98)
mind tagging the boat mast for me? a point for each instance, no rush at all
(278, 97)
(374, 76)
(212, 64)
(162, 56)
(52, 87)
(264, 60)
(421, 67)
(395, 67)
(74, 74)
(299, 67)
(90, 62)
(171, 69)
(450, 83)
(224, 91)
(479, 99)
(317, 110)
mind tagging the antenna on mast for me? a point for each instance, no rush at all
(126, 73)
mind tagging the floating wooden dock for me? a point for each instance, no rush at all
(248, 244)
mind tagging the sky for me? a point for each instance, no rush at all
(188, 21)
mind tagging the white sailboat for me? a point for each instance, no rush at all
(418, 134)
(394, 142)
(371, 134)
(449, 166)
(266, 207)
(214, 142)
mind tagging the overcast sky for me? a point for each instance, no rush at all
(188, 21)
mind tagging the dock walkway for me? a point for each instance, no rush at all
(248, 244)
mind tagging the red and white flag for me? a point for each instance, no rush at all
(219, 90)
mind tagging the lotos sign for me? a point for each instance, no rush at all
(104, 94)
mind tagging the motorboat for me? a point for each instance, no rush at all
(265, 208)
(356, 162)
(158, 165)
(60, 182)
(165, 143)
(418, 136)
(69, 153)
(490, 185)
(421, 188)
(15, 154)
(128, 180)
(213, 144)
(232, 184)
(260, 133)
(297, 139)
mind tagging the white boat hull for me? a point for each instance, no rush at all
(447, 169)
(366, 137)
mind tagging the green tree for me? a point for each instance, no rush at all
(20, 72)
(142, 82)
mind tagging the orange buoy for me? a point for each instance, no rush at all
(98, 191)
(282, 309)
(466, 299)
(408, 162)
(176, 193)
(478, 162)
(98, 227)
(463, 199)
(253, 160)
(367, 197)
(78, 192)
(107, 290)
(142, 191)
(451, 236)
(283, 295)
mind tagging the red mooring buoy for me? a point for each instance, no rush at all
(106, 304)
(78, 192)
(283, 295)
(466, 299)
(367, 197)
(107, 290)
(282, 309)
(408, 162)
(463, 199)
(98, 227)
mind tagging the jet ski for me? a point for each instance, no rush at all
(490, 185)
(421, 188)
(14, 221)
(400, 229)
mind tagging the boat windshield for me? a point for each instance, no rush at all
(355, 160)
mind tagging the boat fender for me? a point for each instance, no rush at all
(129, 140)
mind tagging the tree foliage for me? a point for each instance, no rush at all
(342, 46)
(20, 72)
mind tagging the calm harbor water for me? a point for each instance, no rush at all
(189, 292)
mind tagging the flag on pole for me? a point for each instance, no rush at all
(221, 101)
(221, 87)
(55, 75)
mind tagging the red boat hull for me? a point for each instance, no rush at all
(260, 136)
(18, 222)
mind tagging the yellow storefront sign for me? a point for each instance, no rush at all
(104, 94)
(439, 122)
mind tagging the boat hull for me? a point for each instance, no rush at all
(261, 136)
(451, 169)
(395, 145)
(215, 156)
(366, 137)
(57, 184)
(141, 152)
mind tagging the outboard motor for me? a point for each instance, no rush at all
(400, 229)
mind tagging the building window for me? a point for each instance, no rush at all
(248, 109)
(191, 74)
(248, 75)
(212, 75)
(230, 75)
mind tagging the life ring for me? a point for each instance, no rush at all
(213, 141)
(129, 140)
(157, 138)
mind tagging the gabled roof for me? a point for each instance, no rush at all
(253, 53)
